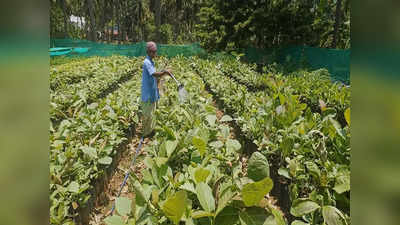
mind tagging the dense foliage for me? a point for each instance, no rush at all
(218, 25)
(83, 143)
(238, 24)
(193, 172)
(165, 21)
(311, 150)
(313, 87)
(194, 169)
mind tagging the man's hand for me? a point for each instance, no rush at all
(167, 72)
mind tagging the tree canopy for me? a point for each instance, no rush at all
(216, 24)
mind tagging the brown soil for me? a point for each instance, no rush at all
(244, 159)
(220, 114)
(106, 200)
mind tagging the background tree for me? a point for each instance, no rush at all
(237, 24)
(216, 24)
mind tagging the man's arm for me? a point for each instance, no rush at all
(161, 73)
(152, 71)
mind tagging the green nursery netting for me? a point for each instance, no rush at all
(133, 50)
(337, 62)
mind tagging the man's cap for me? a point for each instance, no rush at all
(151, 46)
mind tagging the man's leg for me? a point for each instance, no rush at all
(153, 116)
(148, 120)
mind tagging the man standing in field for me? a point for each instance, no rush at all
(150, 93)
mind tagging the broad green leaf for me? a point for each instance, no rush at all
(63, 124)
(287, 145)
(73, 187)
(226, 118)
(252, 193)
(205, 196)
(123, 205)
(188, 187)
(337, 127)
(105, 160)
(93, 105)
(332, 216)
(114, 220)
(188, 117)
(61, 158)
(299, 222)
(233, 144)
(253, 216)
(200, 144)
(191, 170)
(243, 181)
(161, 173)
(294, 191)
(313, 169)
(216, 144)
(147, 177)
(293, 167)
(281, 99)
(155, 196)
(58, 144)
(271, 220)
(228, 216)
(211, 119)
(342, 183)
(189, 221)
(68, 222)
(284, 172)
(204, 133)
(225, 131)
(200, 213)
(170, 133)
(278, 217)
(302, 207)
(154, 220)
(224, 199)
(175, 206)
(161, 161)
(156, 177)
(170, 147)
(148, 162)
(162, 150)
(200, 175)
(258, 167)
(91, 152)
(140, 213)
(209, 108)
(195, 157)
(329, 111)
(140, 195)
(203, 221)
(347, 116)
(302, 106)
(178, 177)
(301, 129)
(158, 172)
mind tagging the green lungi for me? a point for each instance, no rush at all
(148, 117)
